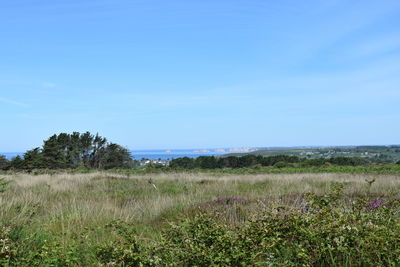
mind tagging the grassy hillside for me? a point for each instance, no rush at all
(124, 219)
(374, 153)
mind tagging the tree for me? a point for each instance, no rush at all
(206, 162)
(16, 163)
(184, 162)
(86, 146)
(73, 151)
(33, 159)
(115, 156)
(348, 161)
(99, 144)
(53, 153)
(247, 161)
(3, 161)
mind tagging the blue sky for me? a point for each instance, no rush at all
(193, 74)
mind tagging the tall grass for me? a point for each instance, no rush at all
(142, 198)
(73, 210)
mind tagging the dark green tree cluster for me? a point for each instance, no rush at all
(3, 161)
(248, 161)
(211, 162)
(74, 150)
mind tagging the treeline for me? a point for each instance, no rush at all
(250, 161)
(76, 150)
(88, 151)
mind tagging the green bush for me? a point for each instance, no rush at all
(53, 253)
(7, 247)
(321, 230)
(281, 164)
(324, 232)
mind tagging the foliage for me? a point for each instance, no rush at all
(208, 219)
(250, 161)
(7, 247)
(376, 154)
(74, 150)
(43, 253)
(3, 160)
(324, 233)
(127, 251)
(16, 163)
(53, 253)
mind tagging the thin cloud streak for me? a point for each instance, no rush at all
(12, 102)
(49, 85)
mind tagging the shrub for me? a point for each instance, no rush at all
(280, 164)
(7, 247)
(323, 233)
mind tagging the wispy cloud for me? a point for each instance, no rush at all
(12, 102)
(379, 45)
(49, 84)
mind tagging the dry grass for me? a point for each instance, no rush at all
(75, 209)
(67, 202)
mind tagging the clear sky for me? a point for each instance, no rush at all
(200, 73)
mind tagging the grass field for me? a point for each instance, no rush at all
(75, 219)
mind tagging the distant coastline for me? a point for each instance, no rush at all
(313, 151)
(154, 154)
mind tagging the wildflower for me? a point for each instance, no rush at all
(375, 204)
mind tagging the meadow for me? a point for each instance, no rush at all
(199, 219)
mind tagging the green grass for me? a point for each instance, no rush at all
(96, 218)
(367, 169)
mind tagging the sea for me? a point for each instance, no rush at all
(154, 154)
(166, 154)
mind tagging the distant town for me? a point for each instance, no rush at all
(382, 153)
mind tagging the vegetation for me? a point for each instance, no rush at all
(74, 150)
(247, 161)
(57, 209)
(377, 154)
(199, 219)
(85, 151)
(257, 169)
